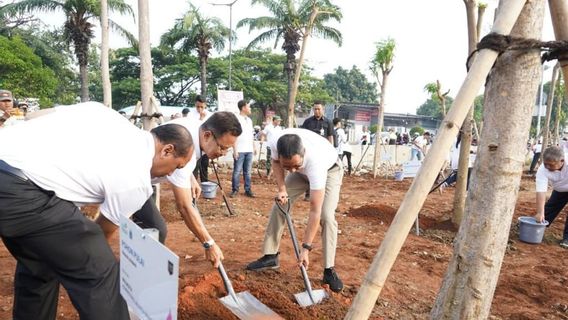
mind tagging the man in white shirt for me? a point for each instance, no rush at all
(201, 114)
(536, 149)
(418, 147)
(243, 151)
(313, 165)
(213, 138)
(269, 130)
(555, 171)
(52, 164)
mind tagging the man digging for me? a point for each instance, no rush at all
(313, 165)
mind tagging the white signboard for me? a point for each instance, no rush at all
(148, 274)
(228, 100)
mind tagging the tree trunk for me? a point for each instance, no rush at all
(84, 75)
(203, 76)
(289, 68)
(146, 76)
(469, 284)
(549, 99)
(298, 71)
(465, 142)
(380, 121)
(559, 98)
(107, 92)
(383, 261)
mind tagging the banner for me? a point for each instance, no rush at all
(148, 274)
(228, 100)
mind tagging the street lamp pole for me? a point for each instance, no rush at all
(230, 5)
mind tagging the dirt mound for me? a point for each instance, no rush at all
(199, 298)
(375, 212)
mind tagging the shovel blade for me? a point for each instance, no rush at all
(247, 307)
(304, 300)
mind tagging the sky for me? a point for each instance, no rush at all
(430, 37)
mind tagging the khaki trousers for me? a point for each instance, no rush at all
(296, 185)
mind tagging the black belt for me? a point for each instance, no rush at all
(4, 167)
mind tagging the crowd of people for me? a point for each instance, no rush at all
(40, 196)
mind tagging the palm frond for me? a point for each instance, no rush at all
(132, 40)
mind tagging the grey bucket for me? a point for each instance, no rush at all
(208, 189)
(530, 230)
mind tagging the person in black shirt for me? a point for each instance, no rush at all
(318, 123)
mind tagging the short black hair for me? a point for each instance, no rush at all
(336, 121)
(185, 111)
(178, 135)
(223, 122)
(241, 104)
(290, 145)
(318, 102)
(198, 98)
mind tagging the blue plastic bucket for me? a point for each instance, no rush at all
(530, 230)
(398, 175)
(208, 189)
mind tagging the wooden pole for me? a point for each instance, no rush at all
(559, 15)
(146, 76)
(414, 199)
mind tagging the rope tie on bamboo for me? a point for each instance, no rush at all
(145, 115)
(552, 50)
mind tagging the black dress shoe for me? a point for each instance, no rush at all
(268, 261)
(332, 279)
(249, 194)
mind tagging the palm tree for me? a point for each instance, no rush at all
(381, 66)
(196, 32)
(79, 24)
(292, 25)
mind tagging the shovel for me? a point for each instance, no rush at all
(308, 297)
(243, 304)
(227, 203)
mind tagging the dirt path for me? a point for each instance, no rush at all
(532, 285)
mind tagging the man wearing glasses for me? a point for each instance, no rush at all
(313, 165)
(553, 170)
(212, 138)
(201, 114)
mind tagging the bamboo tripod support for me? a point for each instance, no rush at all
(375, 278)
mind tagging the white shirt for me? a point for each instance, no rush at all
(182, 177)
(194, 114)
(245, 140)
(270, 130)
(537, 148)
(558, 179)
(85, 153)
(418, 143)
(341, 140)
(320, 155)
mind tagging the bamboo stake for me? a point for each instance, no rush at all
(559, 15)
(549, 99)
(375, 278)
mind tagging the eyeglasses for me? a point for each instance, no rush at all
(223, 149)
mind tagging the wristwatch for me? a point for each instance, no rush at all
(208, 244)
(308, 247)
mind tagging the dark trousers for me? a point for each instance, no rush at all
(348, 155)
(202, 168)
(54, 243)
(553, 206)
(534, 162)
(150, 217)
(268, 160)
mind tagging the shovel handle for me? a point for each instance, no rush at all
(227, 282)
(286, 213)
(229, 206)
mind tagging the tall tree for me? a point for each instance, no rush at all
(292, 21)
(197, 32)
(78, 25)
(381, 66)
(350, 86)
(107, 93)
(435, 91)
(469, 284)
(24, 73)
